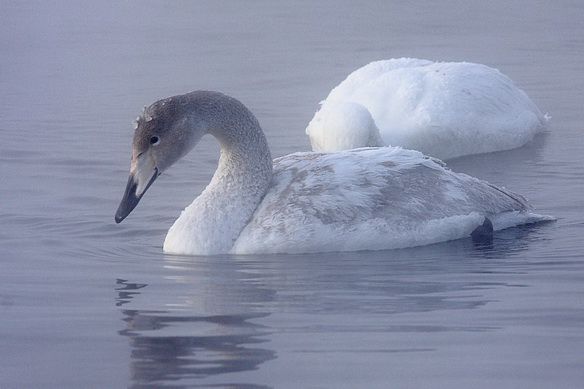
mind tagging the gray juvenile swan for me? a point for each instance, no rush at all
(363, 199)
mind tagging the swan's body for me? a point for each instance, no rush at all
(305, 202)
(443, 109)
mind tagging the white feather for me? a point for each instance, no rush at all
(443, 109)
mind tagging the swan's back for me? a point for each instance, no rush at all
(371, 198)
(442, 109)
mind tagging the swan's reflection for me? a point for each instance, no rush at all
(203, 317)
(126, 291)
(159, 357)
(171, 349)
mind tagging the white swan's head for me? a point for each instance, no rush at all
(341, 126)
(164, 133)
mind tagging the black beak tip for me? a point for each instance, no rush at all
(130, 200)
(125, 208)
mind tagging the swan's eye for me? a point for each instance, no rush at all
(154, 140)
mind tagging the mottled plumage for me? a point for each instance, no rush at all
(365, 199)
(370, 198)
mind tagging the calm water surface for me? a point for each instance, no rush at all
(87, 303)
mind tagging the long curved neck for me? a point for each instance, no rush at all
(212, 223)
(244, 149)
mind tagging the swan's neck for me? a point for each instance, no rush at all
(213, 222)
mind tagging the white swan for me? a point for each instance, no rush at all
(443, 109)
(371, 198)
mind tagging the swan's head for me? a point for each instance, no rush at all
(164, 133)
(342, 126)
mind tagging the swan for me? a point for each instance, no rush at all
(363, 199)
(443, 109)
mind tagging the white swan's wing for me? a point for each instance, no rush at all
(371, 72)
(371, 198)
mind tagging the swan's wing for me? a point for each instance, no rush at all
(368, 199)
(444, 92)
(370, 73)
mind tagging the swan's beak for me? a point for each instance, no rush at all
(142, 175)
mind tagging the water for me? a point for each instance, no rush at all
(87, 303)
